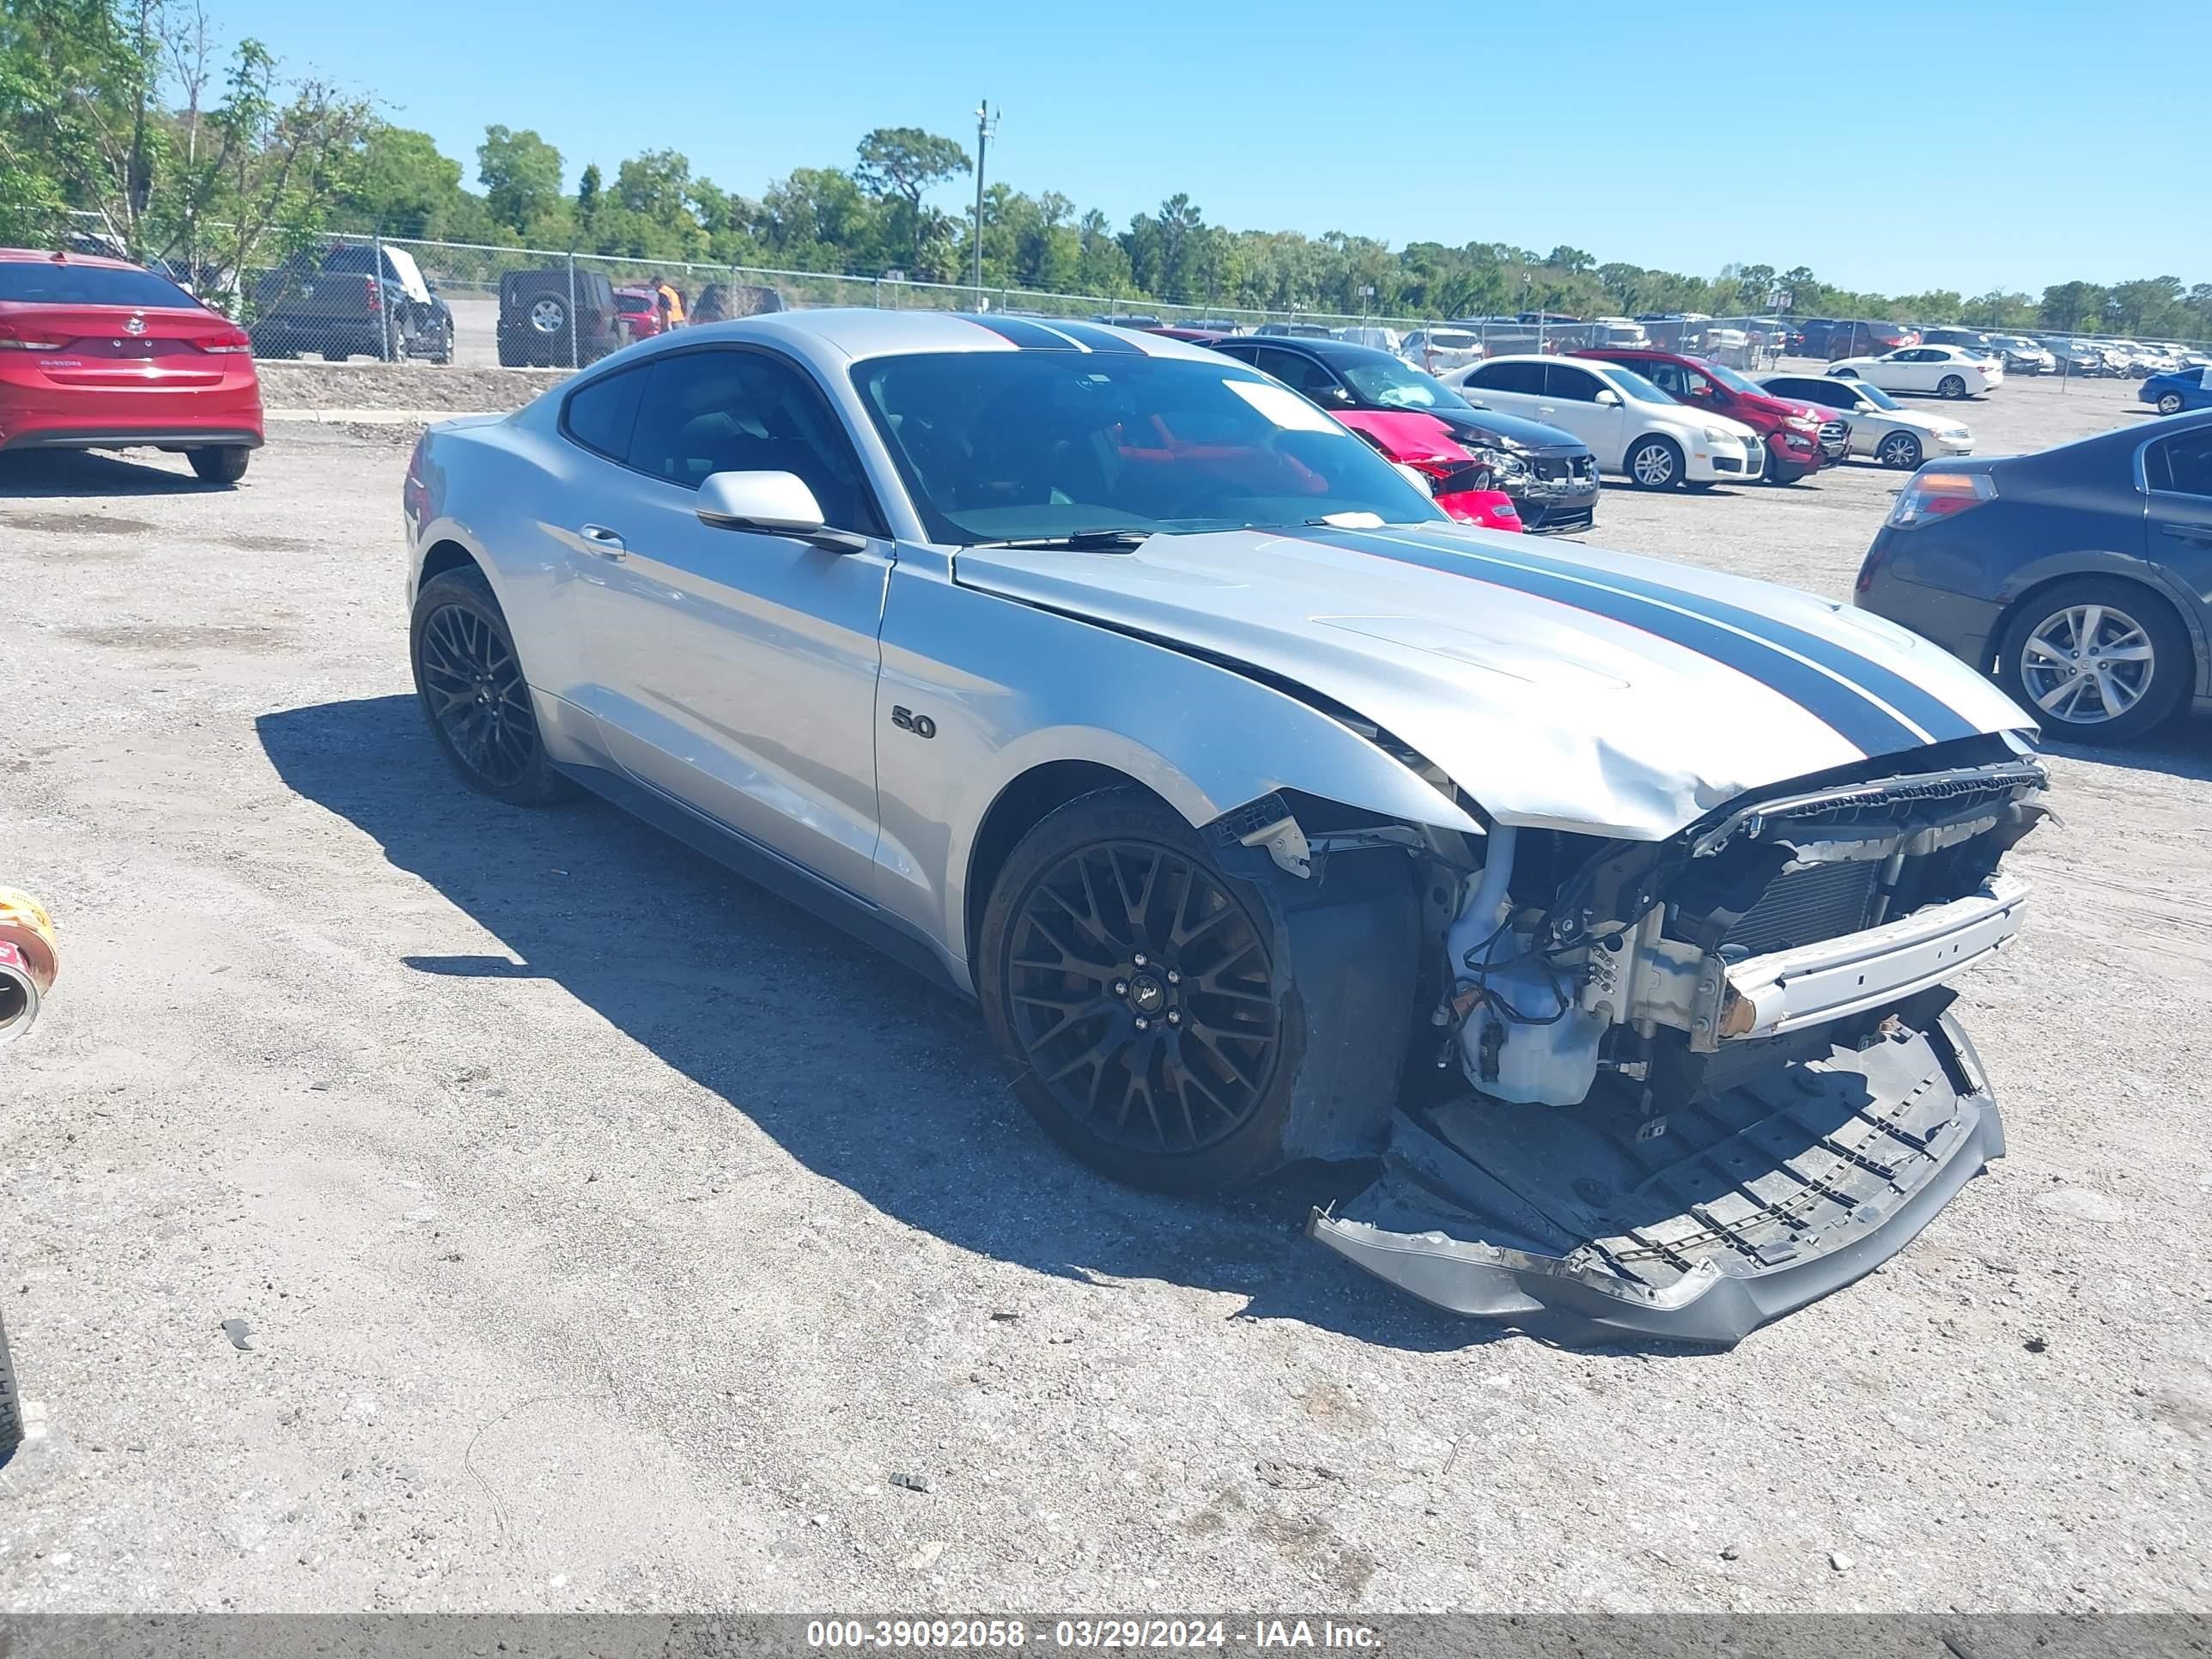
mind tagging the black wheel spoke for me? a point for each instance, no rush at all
(1142, 995)
(476, 695)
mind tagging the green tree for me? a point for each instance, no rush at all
(588, 189)
(2073, 306)
(405, 187)
(896, 165)
(521, 176)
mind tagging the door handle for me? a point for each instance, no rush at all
(1544, 408)
(604, 542)
(2189, 532)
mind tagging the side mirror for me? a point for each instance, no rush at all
(1415, 476)
(1608, 397)
(770, 504)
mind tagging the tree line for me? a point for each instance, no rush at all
(125, 110)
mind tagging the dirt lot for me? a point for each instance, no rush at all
(611, 1236)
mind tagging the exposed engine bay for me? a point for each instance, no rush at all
(1722, 1060)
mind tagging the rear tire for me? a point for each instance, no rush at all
(1951, 386)
(1901, 451)
(1654, 463)
(11, 1405)
(222, 463)
(2053, 631)
(1113, 890)
(470, 683)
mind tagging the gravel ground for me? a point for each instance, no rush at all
(605, 1234)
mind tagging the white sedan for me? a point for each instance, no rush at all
(1629, 424)
(1947, 371)
(1882, 429)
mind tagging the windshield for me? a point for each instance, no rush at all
(1733, 381)
(1630, 384)
(44, 282)
(1018, 446)
(1399, 385)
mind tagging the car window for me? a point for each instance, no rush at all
(47, 281)
(2182, 465)
(1297, 371)
(703, 412)
(347, 261)
(1676, 379)
(1379, 378)
(1576, 385)
(600, 413)
(1510, 377)
(1632, 385)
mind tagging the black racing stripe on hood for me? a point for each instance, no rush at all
(1853, 715)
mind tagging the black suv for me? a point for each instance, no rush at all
(557, 318)
(1550, 474)
(344, 305)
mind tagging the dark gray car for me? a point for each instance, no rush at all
(2081, 577)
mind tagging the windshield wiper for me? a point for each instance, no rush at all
(1076, 541)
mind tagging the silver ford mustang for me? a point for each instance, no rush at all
(1267, 814)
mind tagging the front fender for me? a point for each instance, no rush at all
(1009, 687)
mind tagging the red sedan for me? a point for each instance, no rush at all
(97, 354)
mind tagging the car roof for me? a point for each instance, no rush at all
(18, 255)
(853, 333)
(1318, 345)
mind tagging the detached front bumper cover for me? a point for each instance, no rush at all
(1582, 1225)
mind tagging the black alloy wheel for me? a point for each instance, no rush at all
(469, 678)
(1133, 995)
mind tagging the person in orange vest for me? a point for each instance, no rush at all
(671, 302)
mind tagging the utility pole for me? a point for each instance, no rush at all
(987, 128)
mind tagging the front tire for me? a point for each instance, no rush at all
(222, 463)
(1654, 463)
(1901, 451)
(2096, 659)
(1951, 386)
(469, 680)
(2169, 403)
(1129, 984)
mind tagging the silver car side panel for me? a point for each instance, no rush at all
(1008, 687)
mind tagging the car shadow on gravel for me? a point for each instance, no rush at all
(2182, 748)
(55, 472)
(866, 1074)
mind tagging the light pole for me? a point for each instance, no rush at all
(987, 128)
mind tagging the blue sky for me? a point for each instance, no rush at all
(1890, 147)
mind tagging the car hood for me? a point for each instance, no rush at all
(1602, 692)
(1479, 423)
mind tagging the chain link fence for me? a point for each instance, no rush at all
(394, 300)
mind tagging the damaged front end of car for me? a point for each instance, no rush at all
(1693, 1084)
